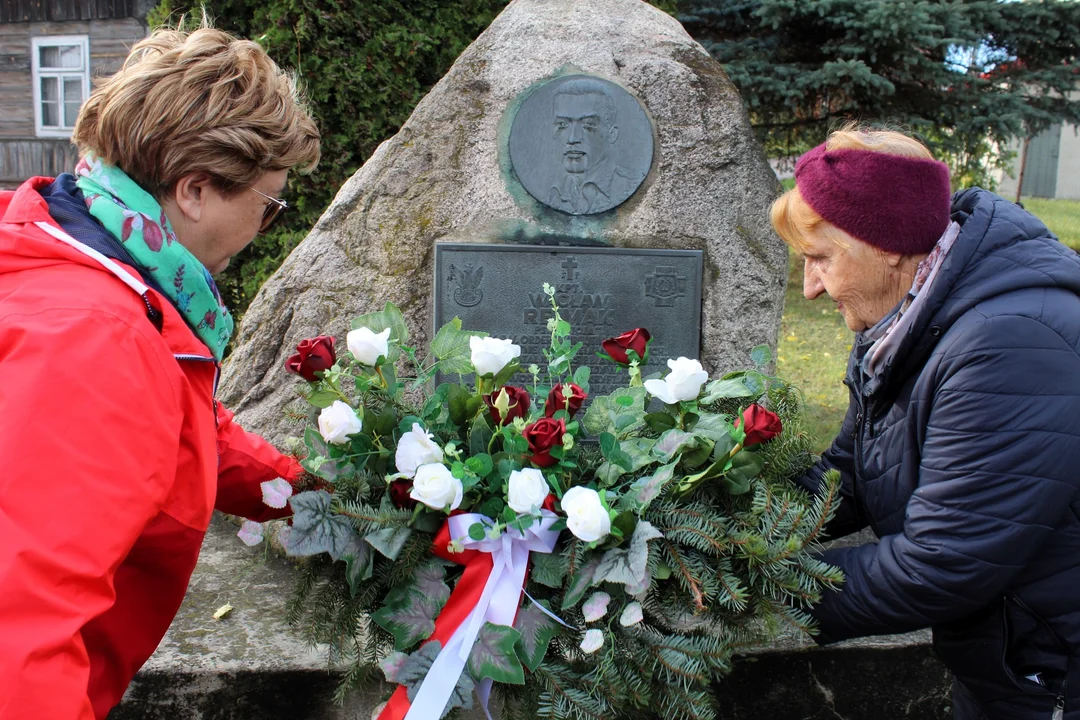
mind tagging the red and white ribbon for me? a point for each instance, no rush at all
(507, 556)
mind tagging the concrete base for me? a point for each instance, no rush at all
(250, 664)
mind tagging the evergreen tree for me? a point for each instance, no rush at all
(963, 74)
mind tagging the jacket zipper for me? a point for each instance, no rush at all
(1059, 704)
(213, 396)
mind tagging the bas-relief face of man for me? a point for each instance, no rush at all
(582, 131)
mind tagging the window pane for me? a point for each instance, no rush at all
(49, 89)
(71, 113)
(71, 56)
(73, 90)
(60, 56)
(50, 114)
(49, 56)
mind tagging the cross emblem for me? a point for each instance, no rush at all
(568, 265)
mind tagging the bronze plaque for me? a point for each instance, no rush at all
(601, 292)
(581, 144)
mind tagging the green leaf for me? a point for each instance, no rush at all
(386, 421)
(730, 387)
(660, 421)
(389, 541)
(724, 445)
(458, 398)
(477, 531)
(637, 449)
(580, 583)
(503, 376)
(603, 411)
(480, 464)
(323, 398)
(409, 621)
(671, 443)
(536, 630)
(547, 569)
(332, 469)
(646, 489)
(745, 466)
(388, 317)
(712, 426)
(315, 443)
(451, 347)
(581, 378)
(358, 563)
(628, 566)
(761, 355)
(493, 656)
(316, 528)
(479, 436)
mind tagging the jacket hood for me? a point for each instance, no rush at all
(1001, 249)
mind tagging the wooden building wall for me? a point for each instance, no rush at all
(22, 154)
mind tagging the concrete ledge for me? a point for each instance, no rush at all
(250, 664)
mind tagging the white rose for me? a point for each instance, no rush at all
(436, 487)
(527, 490)
(367, 347)
(338, 422)
(490, 355)
(416, 448)
(631, 614)
(682, 383)
(593, 641)
(586, 516)
(596, 606)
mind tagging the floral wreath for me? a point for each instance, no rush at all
(575, 562)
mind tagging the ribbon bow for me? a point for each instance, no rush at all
(500, 563)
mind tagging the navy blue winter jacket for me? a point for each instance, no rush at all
(962, 454)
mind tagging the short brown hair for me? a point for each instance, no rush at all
(794, 219)
(202, 101)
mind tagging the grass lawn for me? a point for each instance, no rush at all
(815, 342)
(1061, 216)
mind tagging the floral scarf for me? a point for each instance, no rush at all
(136, 219)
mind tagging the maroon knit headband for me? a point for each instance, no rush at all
(899, 204)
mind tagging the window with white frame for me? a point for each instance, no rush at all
(61, 77)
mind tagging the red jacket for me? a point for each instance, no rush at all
(114, 454)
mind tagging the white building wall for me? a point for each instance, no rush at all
(1068, 177)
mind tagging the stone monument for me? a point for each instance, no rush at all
(581, 126)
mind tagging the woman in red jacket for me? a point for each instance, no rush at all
(114, 450)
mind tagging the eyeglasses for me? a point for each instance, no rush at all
(272, 212)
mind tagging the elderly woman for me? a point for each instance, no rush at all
(115, 452)
(961, 445)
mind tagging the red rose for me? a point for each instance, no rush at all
(543, 435)
(312, 355)
(399, 494)
(760, 425)
(557, 399)
(636, 340)
(549, 503)
(519, 405)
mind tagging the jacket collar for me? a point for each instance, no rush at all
(27, 205)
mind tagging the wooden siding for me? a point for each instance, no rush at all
(20, 159)
(20, 11)
(110, 41)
